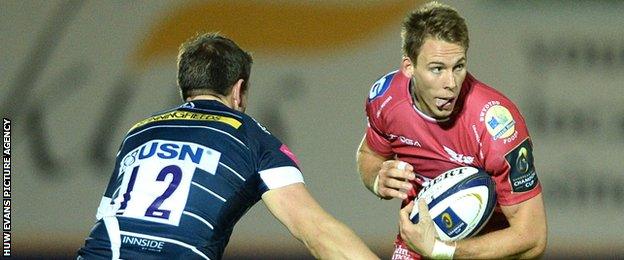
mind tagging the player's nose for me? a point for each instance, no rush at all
(450, 82)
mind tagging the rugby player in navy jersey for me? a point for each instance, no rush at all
(184, 177)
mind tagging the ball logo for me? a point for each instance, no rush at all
(460, 202)
(448, 174)
(448, 221)
(499, 122)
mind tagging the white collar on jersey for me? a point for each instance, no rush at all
(422, 114)
(428, 118)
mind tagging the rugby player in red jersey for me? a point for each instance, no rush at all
(430, 116)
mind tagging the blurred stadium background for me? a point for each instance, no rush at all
(75, 75)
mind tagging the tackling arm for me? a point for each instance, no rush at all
(322, 234)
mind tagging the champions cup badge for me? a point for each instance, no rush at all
(499, 122)
(448, 221)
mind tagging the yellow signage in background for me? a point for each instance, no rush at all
(269, 27)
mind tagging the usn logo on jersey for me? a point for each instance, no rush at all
(498, 120)
(202, 157)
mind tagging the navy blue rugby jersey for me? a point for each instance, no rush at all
(182, 179)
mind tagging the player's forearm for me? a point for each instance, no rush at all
(330, 239)
(368, 172)
(528, 243)
(323, 235)
(368, 167)
(524, 238)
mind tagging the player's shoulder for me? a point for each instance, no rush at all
(263, 140)
(392, 87)
(253, 126)
(381, 86)
(256, 133)
(481, 98)
(491, 112)
(240, 124)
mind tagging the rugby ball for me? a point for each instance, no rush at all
(460, 202)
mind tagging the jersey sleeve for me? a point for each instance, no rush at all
(377, 142)
(509, 153)
(277, 166)
(376, 138)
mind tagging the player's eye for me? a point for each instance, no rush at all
(459, 67)
(436, 70)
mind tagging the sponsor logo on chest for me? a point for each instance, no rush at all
(457, 157)
(144, 243)
(405, 140)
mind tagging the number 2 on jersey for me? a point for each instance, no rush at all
(159, 194)
(153, 210)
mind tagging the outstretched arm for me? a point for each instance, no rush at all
(322, 234)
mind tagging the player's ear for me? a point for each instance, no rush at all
(407, 66)
(237, 96)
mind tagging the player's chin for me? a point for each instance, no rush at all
(442, 114)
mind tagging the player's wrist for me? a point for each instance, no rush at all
(442, 250)
(376, 189)
(376, 186)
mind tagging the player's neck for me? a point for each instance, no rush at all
(222, 99)
(420, 107)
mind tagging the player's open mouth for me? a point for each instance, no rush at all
(444, 103)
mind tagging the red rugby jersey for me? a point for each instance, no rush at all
(485, 131)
